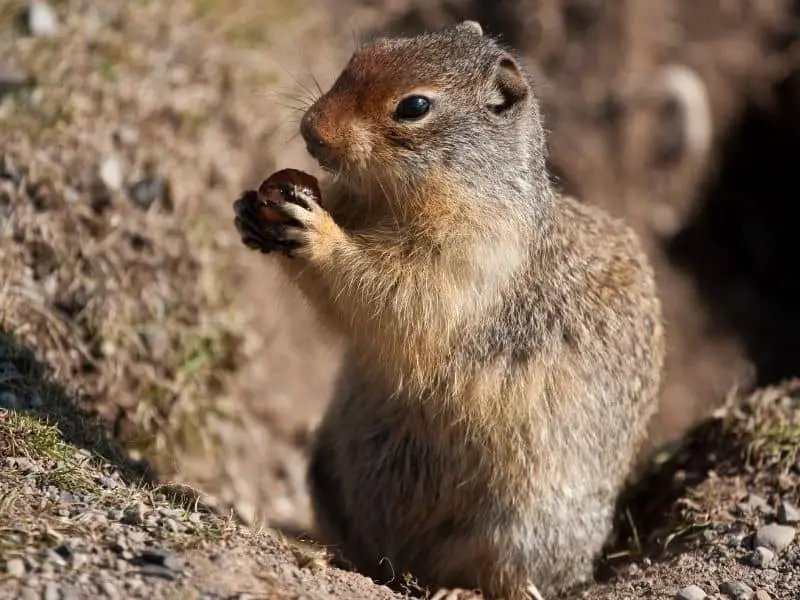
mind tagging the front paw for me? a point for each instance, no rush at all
(302, 223)
(257, 226)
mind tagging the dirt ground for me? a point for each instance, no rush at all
(127, 133)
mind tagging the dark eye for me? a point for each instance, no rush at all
(412, 108)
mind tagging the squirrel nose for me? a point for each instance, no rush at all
(314, 143)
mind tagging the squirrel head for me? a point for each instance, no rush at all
(452, 104)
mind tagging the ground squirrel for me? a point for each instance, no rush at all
(504, 344)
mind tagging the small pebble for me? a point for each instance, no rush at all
(774, 537)
(690, 592)
(171, 513)
(29, 594)
(160, 557)
(11, 78)
(42, 21)
(55, 558)
(755, 504)
(68, 497)
(8, 369)
(150, 521)
(15, 567)
(110, 590)
(762, 557)
(158, 571)
(762, 595)
(145, 192)
(788, 514)
(9, 400)
(125, 136)
(173, 526)
(736, 590)
(108, 483)
(195, 518)
(136, 514)
(51, 592)
(115, 514)
(111, 173)
(79, 559)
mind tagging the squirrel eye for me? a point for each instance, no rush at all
(412, 108)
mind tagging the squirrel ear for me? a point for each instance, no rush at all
(510, 83)
(472, 26)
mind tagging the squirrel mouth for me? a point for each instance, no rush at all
(324, 158)
(328, 168)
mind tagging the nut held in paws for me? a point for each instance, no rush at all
(283, 186)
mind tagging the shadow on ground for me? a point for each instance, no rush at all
(29, 386)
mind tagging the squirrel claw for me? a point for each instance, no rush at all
(257, 233)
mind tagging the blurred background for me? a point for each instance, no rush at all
(127, 129)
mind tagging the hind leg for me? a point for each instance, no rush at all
(331, 525)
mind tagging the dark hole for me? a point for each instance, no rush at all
(742, 248)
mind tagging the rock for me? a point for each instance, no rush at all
(136, 514)
(690, 592)
(68, 498)
(195, 518)
(145, 192)
(125, 136)
(15, 567)
(762, 557)
(8, 369)
(29, 594)
(56, 558)
(160, 557)
(115, 514)
(150, 522)
(9, 400)
(42, 21)
(51, 592)
(736, 590)
(11, 79)
(94, 519)
(111, 173)
(762, 595)
(774, 537)
(173, 526)
(755, 504)
(158, 571)
(108, 483)
(79, 559)
(171, 513)
(788, 514)
(110, 590)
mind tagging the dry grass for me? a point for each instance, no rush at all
(749, 445)
(119, 300)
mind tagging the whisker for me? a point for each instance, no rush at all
(302, 86)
